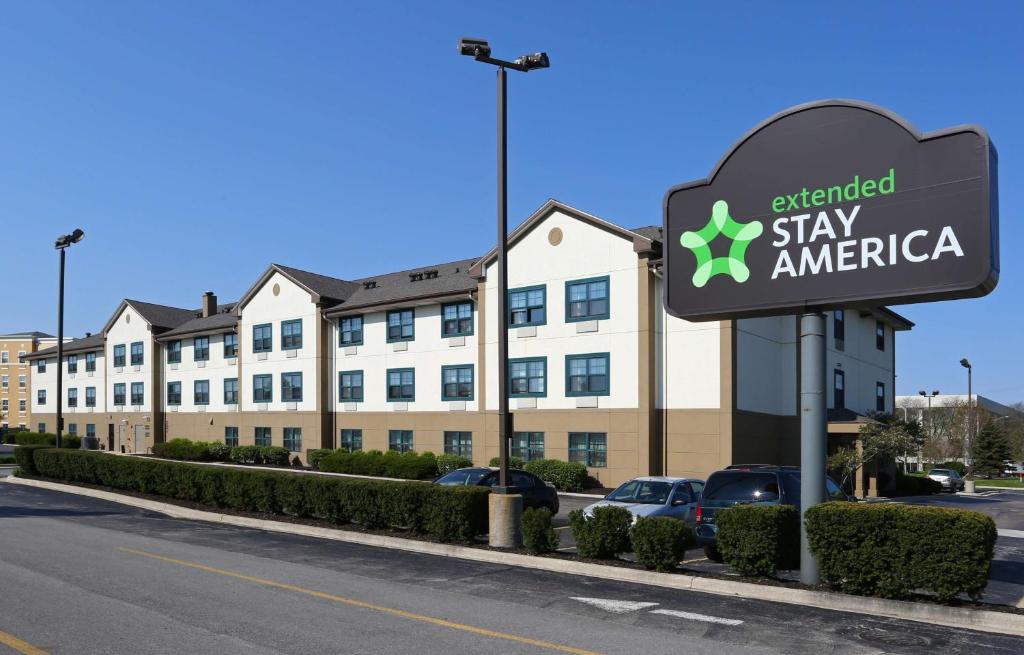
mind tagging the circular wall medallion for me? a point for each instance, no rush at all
(276, 289)
(555, 236)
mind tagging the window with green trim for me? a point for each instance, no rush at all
(401, 325)
(138, 393)
(527, 306)
(528, 446)
(230, 435)
(201, 392)
(528, 377)
(400, 440)
(119, 356)
(351, 439)
(458, 443)
(90, 362)
(41, 366)
(293, 439)
(401, 385)
(137, 353)
(291, 334)
(201, 349)
(72, 363)
(174, 352)
(262, 437)
(350, 386)
(262, 338)
(457, 319)
(73, 428)
(589, 448)
(586, 300)
(72, 397)
(230, 391)
(119, 394)
(291, 387)
(586, 375)
(41, 397)
(90, 396)
(174, 393)
(262, 389)
(90, 430)
(230, 345)
(351, 331)
(457, 382)
(41, 428)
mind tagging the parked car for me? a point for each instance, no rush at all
(536, 493)
(655, 496)
(948, 478)
(760, 484)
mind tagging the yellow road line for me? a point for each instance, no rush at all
(19, 645)
(444, 623)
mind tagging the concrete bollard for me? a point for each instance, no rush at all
(505, 513)
(968, 486)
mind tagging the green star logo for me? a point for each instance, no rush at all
(732, 264)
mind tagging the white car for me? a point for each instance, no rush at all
(948, 478)
(655, 496)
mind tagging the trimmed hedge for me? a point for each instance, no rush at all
(23, 455)
(445, 513)
(538, 535)
(604, 535)
(260, 455)
(914, 485)
(566, 476)
(660, 542)
(448, 463)
(759, 539)
(313, 456)
(513, 462)
(24, 438)
(392, 464)
(893, 550)
(186, 449)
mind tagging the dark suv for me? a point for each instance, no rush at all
(760, 484)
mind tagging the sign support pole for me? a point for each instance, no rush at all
(813, 431)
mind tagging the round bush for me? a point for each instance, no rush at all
(604, 535)
(759, 539)
(538, 535)
(449, 463)
(660, 542)
(566, 476)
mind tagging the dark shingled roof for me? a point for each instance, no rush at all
(452, 278)
(330, 289)
(162, 317)
(223, 321)
(85, 344)
(28, 335)
(652, 232)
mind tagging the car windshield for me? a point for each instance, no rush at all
(742, 486)
(939, 472)
(647, 492)
(452, 479)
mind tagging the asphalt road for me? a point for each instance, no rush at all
(87, 576)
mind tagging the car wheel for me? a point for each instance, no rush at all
(712, 553)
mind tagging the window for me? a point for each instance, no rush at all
(839, 325)
(230, 435)
(262, 389)
(174, 393)
(526, 306)
(5, 357)
(201, 349)
(201, 392)
(350, 386)
(400, 440)
(351, 440)
(401, 385)
(22, 406)
(291, 334)
(586, 300)
(879, 396)
(401, 325)
(73, 428)
(72, 397)
(41, 397)
(41, 366)
(880, 335)
(839, 390)
(262, 338)
(72, 363)
(119, 394)
(22, 381)
(293, 439)
(458, 443)
(230, 345)
(90, 362)
(90, 396)
(457, 319)
(5, 381)
(90, 430)
(41, 428)
(528, 446)
(586, 375)
(5, 404)
(119, 356)
(174, 352)
(457, 382)
(137, 353)
(352, 331)
(589, 448)
(262, 437)
(138, 396)
(291, 387)
(527, 377)
(230, 391)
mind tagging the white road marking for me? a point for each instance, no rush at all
(1003, 532)
(615, 606)
(698, 617)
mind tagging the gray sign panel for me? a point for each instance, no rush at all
(834, 204)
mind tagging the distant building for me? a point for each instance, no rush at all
(16, 376)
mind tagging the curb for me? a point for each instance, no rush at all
(953, 617)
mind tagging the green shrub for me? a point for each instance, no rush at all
(566, 476)
(915, 485)
(219, 452)
(186, 449)
(959, 467)
(538, 535)
(244, 454)
(260, 455)
(24, 438)
(24, 456)
(513, 462)
(314, 456)
(445, 513)
(759, 539)
(7, 459)
(392, 464)
(604, 535)
(449, 463)
(893, 550)
(660, 542)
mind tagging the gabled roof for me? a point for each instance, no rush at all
(85, 344)
(160, 317)
(641, 242)
(436, 281)
(324, 289)
(225, 320)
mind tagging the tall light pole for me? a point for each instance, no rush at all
(62, 244)
(970, 413)
(506, 504)
(927, 422)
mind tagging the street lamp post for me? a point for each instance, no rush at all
(506, 504)
(928, 421)
(62, 244)
(970, 413)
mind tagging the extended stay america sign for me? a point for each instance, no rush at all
(834, 204)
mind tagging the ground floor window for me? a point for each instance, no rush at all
(458, 443)
(72, 428)
(528, 446)
(400, 440)
(589, 448)
(293, 439)
(42, 428)
(231, 436)
(351, 439)
(262, 436)
(90, 430)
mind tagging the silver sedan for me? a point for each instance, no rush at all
(655, 496)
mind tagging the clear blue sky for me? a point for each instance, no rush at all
(196, 142)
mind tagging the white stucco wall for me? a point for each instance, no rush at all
(215, 370)
(688, 360)
(128, 328)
